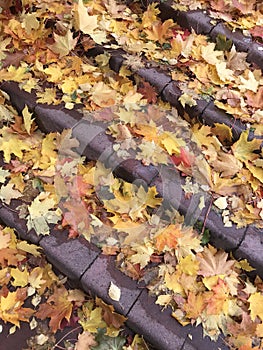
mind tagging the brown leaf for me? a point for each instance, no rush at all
(148, 92)
(85, 341)
(213, 262)
(56, 308)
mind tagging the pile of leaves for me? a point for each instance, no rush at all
(238, 14)
(43, 47)
(31, 292)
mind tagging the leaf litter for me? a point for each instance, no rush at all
(55, 186)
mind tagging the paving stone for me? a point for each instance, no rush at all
(9, 216)
(168, 184)
(196, 19)
(98, 278)
(155, 77)
(52, 118)
(133, 169)
(195, 341)
(167, 11)
(242, 42)
(198, 109)
(116, 60)
(70, 256)
(226, 238)
(255, 54)
(212, 114)
(157, 326)
(18, 97)
(251, 249)
(171, 93)
(94, 142)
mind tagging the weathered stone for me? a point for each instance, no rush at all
(251, 249)
(133, 169)
(98, 279)
(241, 42)
(195, 19)
(94, 142)
(255, 54)
(212, 114)
(155, 77)
(72, 257)
(18, 97)
(52, 118)
(9, 216)
(157, 326)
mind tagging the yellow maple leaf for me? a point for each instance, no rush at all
(63, 44)
(171, 143)
(251, 83)
(11, 144)
(28, 120)
(210, 55)
(16, 74)
(172, 282)
(188, 265)
(244, 149)
(4, 239)
(256, 305)
(186, 99)
(48, 96)
(160, 31)
(143, 253)
(85, 22)
(7, 193)
(20, 277)
(103, 95)
(226, 75)
(29, 248)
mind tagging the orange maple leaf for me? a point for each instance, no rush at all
(167, 239)
(160, 31)
(56, 308)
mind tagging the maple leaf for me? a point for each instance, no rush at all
(12, 144)
(226, 164)
(63, 44)
(171, 143)
(103, 95)
(41, 214)
(91, 320)
(77, 218)
(20, 277)
(5, 239)
(142, 255)
(167, 238)
(148, 92)
(85, 22)
(213, 262)
(244, 150)
(7, 193)
(11, 309)
(65, 143)
(159, 31)
(56, 308)
(109, 315)
(86, 340)
(210, 55)
(28, 120)
(194, 306)
(256, 305)
(251, 83)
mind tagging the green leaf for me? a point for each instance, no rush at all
(108, 343)
(222, 44)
